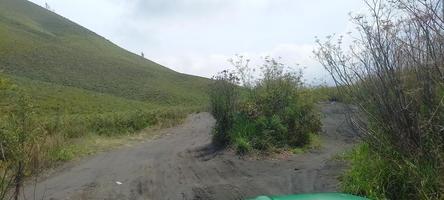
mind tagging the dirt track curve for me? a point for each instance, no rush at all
(182, 165)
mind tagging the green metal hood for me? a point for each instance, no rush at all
(320, 196)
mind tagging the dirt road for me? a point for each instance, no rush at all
(183, 165)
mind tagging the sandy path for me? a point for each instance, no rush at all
(182, 165)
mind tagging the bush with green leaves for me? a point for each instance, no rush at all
(271, 113)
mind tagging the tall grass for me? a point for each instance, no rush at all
(394, 73)
(374, 175)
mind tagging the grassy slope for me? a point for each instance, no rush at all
(49, 98)
(39, 45)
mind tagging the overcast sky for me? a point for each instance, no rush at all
(198, 36)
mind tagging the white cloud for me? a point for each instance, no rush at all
(295, 56)
(198, 36)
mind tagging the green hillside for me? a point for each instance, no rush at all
(36, 44)
(49, 99)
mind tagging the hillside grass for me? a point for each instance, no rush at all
(40, 45)
(51, 99)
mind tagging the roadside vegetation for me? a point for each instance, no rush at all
(393, 71)
(267, 114)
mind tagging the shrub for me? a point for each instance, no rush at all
(272, 113)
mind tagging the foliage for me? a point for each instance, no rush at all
(273, 113)
(394, 73)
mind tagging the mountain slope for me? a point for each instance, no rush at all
(40, 45)
(51, 99)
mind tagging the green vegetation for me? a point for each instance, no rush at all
(53, 99)
(394, 74)
(273, 113)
